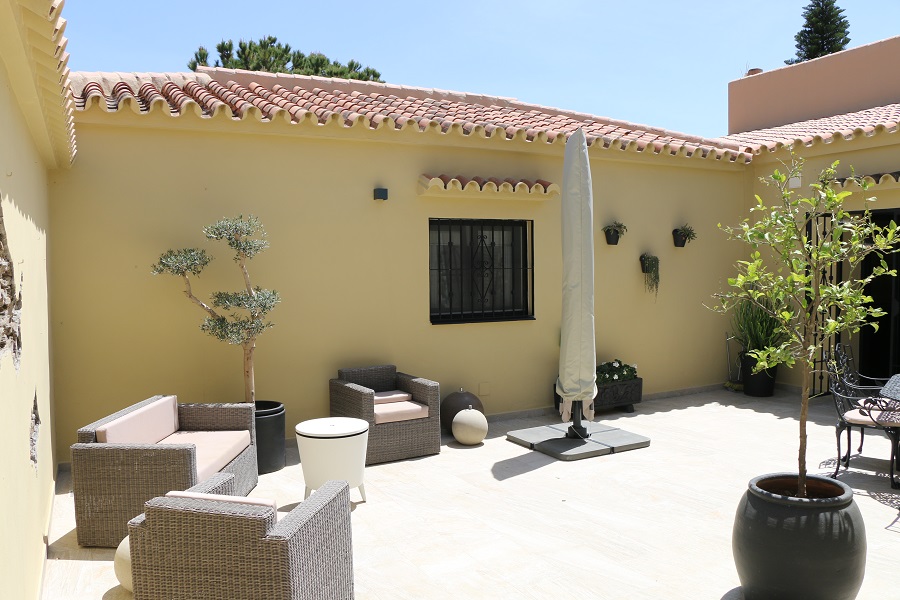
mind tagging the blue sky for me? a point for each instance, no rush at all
(655, 62)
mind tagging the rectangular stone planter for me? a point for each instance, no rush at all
(623, 394)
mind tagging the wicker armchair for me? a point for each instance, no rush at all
(111, 482)
(352, 394)
(184, 548)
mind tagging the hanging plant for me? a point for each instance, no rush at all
(683, 235)
(650, 269)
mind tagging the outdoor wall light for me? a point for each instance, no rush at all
(381, 193)
(794, 183)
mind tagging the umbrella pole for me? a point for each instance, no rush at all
(576, 429)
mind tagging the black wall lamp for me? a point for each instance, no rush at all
(381, 193)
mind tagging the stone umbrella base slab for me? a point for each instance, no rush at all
(602, 439)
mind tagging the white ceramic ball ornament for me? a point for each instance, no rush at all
(469, 427)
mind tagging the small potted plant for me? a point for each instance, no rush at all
(614, 231)
(682, 235)
(650, 269)
(755, 328)
(618, 384)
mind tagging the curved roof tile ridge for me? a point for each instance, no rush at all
(351, 103)
(847, 126)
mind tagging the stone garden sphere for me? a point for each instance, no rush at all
(456, 402)
(469, 427)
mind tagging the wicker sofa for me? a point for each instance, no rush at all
(112, 480)
(407, 425)
(196, 548)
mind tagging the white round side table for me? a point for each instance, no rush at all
(333, 448)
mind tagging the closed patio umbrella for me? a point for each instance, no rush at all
(577, 382)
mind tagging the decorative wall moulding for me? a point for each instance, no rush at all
(486, 187)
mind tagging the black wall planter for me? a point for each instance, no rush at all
(612, 237)
(760, 384)
(788, 548)
(678, 238)
(270, 424)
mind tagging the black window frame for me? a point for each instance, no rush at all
(480, 270)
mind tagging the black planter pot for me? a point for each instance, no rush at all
(679, 239)
(760, 384)
(789, 548)
(624, 394)
(612, 237)
(270, 424)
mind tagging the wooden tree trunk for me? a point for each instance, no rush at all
(804, 411)
(249, 383)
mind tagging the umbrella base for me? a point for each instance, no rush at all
(576, 432)
(601, 440)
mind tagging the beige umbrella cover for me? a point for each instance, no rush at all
(577, 353)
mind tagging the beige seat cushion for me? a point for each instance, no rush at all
(146, 425)
(215, 449)
(392, 396)
(225, 498)
(399, 411)
(886, 418)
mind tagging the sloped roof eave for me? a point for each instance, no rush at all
(34, 49)
(345, 105)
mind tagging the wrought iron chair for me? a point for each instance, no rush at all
(843, 355)
(856, 409)
(855, 383)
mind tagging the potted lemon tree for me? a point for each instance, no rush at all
(798, 535)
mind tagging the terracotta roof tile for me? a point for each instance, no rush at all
(510, 187)
(271, 96)
(846, 126)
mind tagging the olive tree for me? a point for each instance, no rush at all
(239, 317)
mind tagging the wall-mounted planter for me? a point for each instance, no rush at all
(614, 231)
(650, 269)
(683, 235)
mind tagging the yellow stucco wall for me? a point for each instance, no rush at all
(27, 488)
(353, 272)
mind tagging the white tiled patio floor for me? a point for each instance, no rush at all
(500, 521)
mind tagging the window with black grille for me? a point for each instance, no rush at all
(481, 270)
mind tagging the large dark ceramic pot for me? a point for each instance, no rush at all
(270, 423)
(757, 384)
(456, 402)
(789, 548)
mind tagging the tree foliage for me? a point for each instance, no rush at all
(825, 31)
(237, 318)
(783, 276)
(270, 55)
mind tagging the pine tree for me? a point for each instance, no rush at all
(825, 31)
(270, 55)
